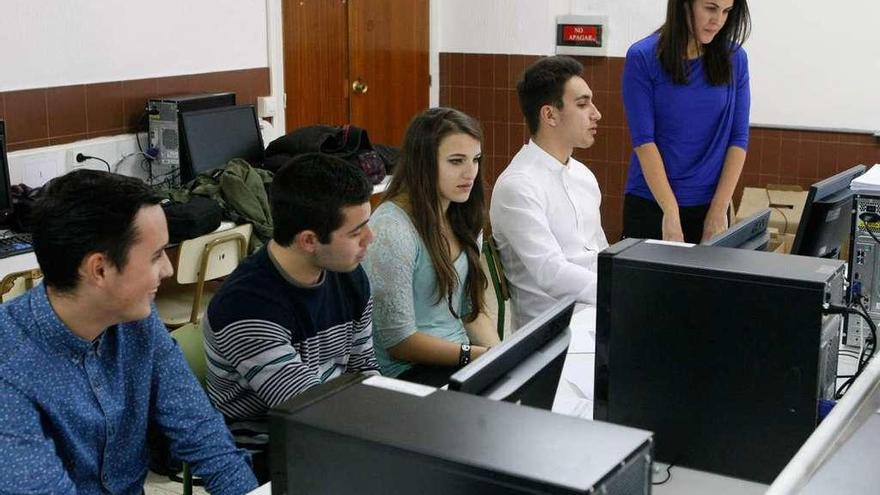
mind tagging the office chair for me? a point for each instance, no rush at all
(499, 281)
(15, 284)
(207, 258)
(189, 339)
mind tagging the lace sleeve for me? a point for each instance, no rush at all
(390, 264)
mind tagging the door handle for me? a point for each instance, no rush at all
(359, 86)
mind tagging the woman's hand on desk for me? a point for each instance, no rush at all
(715, 222)
(672, 227)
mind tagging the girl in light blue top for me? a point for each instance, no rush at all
(424, 264)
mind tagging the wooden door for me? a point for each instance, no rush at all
(315, 36)
(388, 52)
(329, 44)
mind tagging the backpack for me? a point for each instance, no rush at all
(190, 219)
(348, 142)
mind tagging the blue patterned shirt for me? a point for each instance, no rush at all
(74, 414)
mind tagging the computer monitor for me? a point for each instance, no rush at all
(526, 367)
(214, 136)
(751, 233)
(5, 192)
(827, 219)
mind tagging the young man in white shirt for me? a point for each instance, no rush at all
(545, 205)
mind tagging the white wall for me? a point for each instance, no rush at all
(59, 42)
(528, 27)
(816, 63)
(813, 63)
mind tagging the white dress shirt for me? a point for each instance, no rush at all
(545, 219)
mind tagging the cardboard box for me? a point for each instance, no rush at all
(786, 205)
(779, 243)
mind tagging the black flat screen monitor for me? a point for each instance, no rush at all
(214, 136)
(5, 193)
(827, 219)
(526, 367)
(751, 233)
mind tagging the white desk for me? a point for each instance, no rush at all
(17, 263)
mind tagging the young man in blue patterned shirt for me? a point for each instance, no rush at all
(298, 312)
(86, 366)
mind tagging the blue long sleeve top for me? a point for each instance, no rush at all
(74, 414)
(692, 124)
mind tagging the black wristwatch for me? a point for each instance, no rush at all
(464, 356)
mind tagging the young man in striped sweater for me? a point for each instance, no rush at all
(298, 312)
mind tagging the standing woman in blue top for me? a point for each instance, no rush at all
(424, 265)
(686, 95)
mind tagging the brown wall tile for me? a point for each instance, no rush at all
(456, 68)
(105, 104)
(501, 70)
(135, 95)
(27, 118)
(67, 110)
(502, 108)
(44, 116)
(486, 71)
(808, 159)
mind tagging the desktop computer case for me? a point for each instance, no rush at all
(722, 353)
(164, 118)
(864, 262)
(347, 436)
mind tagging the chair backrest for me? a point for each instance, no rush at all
(15, 284)
(215, 255)
(189, 339)
(499, 281)
(496, 270)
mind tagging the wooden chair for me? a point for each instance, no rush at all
(15, 284)
(499, 281)
(184, 298)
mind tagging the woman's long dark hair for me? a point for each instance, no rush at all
(414, 188)
(676, 32)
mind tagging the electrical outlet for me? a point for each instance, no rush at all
(101, 148)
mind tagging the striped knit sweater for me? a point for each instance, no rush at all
(268, 338)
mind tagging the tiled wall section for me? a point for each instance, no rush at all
(49, 116)
(484, 86)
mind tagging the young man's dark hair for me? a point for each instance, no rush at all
(309, 193)
(83, 212)
(543, 83)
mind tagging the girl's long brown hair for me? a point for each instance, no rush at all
(414, 188)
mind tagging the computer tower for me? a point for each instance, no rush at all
(722, 353)
(864, 262)
(164, 122)
(378, 435)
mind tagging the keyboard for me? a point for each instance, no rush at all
(13, 244)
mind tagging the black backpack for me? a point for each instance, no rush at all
(198, 216)
(348, 142)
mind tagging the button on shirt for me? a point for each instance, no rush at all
(545, 219)
(74, 414)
